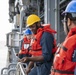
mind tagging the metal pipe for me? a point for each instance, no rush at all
(11, 70)
(11, 64)
(56, 17)
(46, 12)
(22, 14)
(57, 27)
(38, 4)
(20, 69)
(3, 70)
(21, 19)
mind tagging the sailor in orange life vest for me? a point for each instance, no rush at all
(42, 48)
(65, 58)
(25, 44)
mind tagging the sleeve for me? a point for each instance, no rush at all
(47, 40)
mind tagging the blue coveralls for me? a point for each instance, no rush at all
(43, 68)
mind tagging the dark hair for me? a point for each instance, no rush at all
(72, 17)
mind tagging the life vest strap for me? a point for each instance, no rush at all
(39, 49)
(63, 72)
(25, 50)
(64, 48)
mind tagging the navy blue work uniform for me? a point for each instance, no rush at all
(43, 68)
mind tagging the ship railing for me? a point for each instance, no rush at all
(20, 70)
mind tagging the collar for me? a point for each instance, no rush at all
(72, 32)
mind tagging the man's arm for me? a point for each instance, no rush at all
(34, 59)
(47, 41)
(30, 66)
(47, 45)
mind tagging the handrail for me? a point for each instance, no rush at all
(3, 70)
(11, 70)
(16, 57)
(11, 64)
(19, 66)
(20, 69)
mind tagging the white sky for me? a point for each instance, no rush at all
(5, 26)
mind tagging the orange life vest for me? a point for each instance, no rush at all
(63, 64)
(25, 45)
(36, 49)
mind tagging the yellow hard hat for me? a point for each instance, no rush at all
(32, 19)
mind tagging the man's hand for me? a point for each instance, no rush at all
(23, 60)
(30, 66)
(27, 70)
(17, 54)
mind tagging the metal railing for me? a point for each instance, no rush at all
(10, 70)
(14, 68)
(20, 68)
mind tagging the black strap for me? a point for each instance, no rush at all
(64, 48)
(63, 72)
(39, 49)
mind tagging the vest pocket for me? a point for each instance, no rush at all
(58, 62)
(69, 65)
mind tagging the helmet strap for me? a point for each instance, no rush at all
(66, 29)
